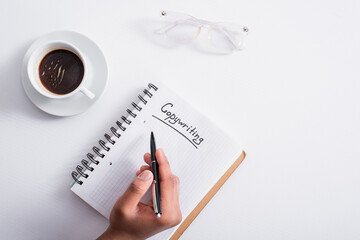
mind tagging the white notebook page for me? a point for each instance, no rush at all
(198, 153)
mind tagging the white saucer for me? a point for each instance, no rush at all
(96, 83)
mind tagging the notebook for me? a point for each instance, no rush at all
(199, 153)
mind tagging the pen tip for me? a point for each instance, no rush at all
(158, 215)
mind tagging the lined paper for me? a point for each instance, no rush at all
(198, 153)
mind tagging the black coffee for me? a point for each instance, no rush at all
(61, 71)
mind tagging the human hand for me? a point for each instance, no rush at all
(131, 219)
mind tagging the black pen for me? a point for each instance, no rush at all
(155, 171)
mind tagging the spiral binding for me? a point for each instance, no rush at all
(98, 151)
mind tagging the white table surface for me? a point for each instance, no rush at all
(291, 98)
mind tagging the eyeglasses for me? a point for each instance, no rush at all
(183, 28)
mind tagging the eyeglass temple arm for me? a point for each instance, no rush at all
(170, 26)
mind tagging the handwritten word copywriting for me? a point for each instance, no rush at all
(189, 131)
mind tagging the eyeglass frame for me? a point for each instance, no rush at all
(201, 24)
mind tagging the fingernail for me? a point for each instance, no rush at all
(145, 175)
(161, 151)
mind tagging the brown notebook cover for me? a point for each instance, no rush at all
(195, 212)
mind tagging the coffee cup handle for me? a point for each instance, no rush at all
(87, 93)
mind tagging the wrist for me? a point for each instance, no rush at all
(111, 234)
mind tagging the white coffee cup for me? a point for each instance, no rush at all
(35, 60)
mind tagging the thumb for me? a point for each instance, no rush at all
(137, 189)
